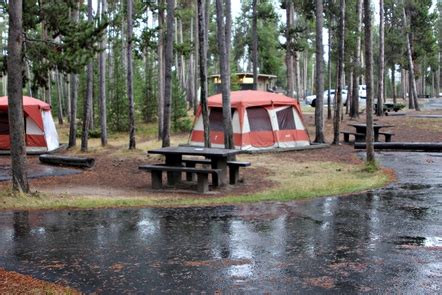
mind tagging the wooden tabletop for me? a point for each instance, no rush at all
(194, 151)
(374, 125)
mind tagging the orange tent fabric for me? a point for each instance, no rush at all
(247, 136)
(31, 106)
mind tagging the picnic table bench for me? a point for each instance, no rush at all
(361, 132)
(358, 136)
(201, 173)
(387, 134)
(233, 168)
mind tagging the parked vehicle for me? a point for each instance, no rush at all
(311, 99)
(362, 92)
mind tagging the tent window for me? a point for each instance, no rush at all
(286, 121)
(4, 123)
(216, 119)
(259, 119)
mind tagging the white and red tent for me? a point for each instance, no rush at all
(41, 134)
(261, 120)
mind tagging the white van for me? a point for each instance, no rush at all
(362, 92)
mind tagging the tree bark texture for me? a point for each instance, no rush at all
(15, 98)
(369, 80)
(60, 97)
(130, 95)
(74, 94)
(89, 93)
(354, 110)
(438, 78)
(168, 71)
(161, 68)
(102, 82)
(413, 93)
(319, 110)
(393, 83)
(381, 79)
(223, 34)
(289, 45)
(255, 44)
(202, 55)
(329, 111)
(338, 95)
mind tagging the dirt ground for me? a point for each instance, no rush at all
(116, 174)
(15, 283)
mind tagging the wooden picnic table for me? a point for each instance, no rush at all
(217, 156)
(362, 128)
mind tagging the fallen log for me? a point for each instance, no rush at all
(409, 146)
(78, 162)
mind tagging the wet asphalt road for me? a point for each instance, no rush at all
(385, 241)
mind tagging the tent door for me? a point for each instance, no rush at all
(286, 127)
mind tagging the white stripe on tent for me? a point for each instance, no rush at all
(51, 135)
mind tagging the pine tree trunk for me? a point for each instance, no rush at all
(223, 34)
(182, 67)
(15, 98)
(297, 76)
(168, 72)
(130, 95)
(73, 84)
(338, 95)
(202, 56)
(190, 70)
(196, 57)
(329, 111)
(255, 45)
(403, 83)
(88, 99)
(438, 78)
(161, 69)
(60, 98)
(289, 48)
(380, 103)
(305, 74)
(393, 82)
(319, 110)
(369, 80)
(354, 110)
(102, 82)
(413, 93)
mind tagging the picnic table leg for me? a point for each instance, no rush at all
(219, 163)
(376, 134)
(173, 177)
(203, 183)
(157, 181)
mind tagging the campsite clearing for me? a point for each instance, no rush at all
(331, 171)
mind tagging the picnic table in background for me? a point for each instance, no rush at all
(361, 128)
(218, 159)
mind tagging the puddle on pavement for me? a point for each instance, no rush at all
(419, 241)
(332, 244)
(415, 186)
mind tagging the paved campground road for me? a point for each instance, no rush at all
(383, 241)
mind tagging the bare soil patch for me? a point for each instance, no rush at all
(116, 173)
(15, 283)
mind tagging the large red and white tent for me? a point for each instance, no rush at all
(41, 134)
(261, 120)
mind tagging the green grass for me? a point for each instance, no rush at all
(295, 181)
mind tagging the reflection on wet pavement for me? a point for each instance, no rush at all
(37, 171)
(385, 241)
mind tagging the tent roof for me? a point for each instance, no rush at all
(252, 98)
(27, 101)
(31, 106)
